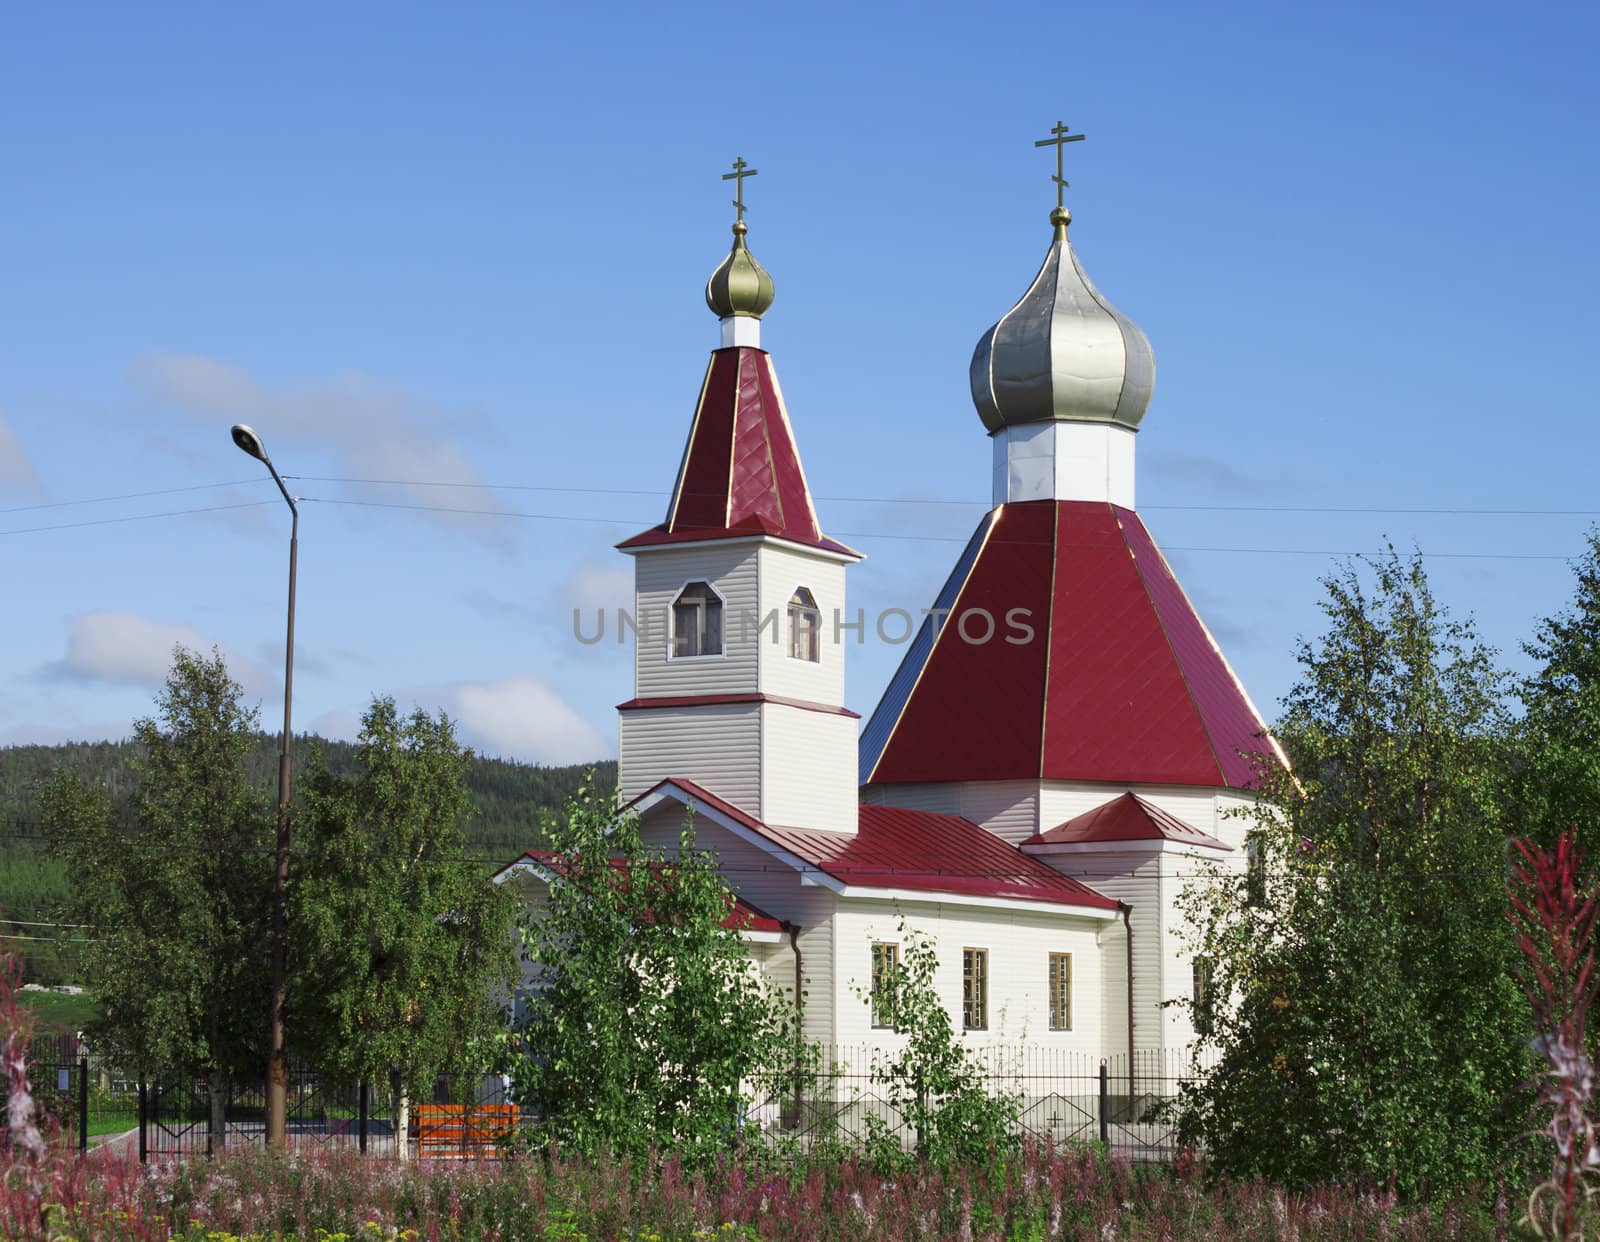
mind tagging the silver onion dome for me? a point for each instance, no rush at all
(1063, 352)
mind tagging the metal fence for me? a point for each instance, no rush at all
(1065, 1097)
(175, 1116)
(58, 1081)
(1124, 1103)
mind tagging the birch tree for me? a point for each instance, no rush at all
(403, 946)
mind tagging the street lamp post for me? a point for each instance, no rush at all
(278, 1058)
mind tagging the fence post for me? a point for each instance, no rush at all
(1105, 1104)
(144, 1113)
(83, 1103)
(361, 1124)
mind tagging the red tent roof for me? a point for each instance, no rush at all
(1108, 674)
(741, 472)
(741, 917)
(919, 851)
(1128, 818)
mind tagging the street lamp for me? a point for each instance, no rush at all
(278, 1058)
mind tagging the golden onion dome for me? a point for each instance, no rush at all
(740, 286)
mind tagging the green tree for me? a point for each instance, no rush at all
(176, 887)
(403, 946)
(646, 1023)
(1558, 785)
(955, 1114)
(1368, 1022)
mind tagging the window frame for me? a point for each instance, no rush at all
(1060, 1006)
(1255, 868)
(1203, 993)
(881, 999)
(792, 613)
(702, 608)
(974, 987)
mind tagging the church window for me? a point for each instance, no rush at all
(1202, 996)
(1061, 991)
(805, 622)
(975, 989)
(697, 621)
(885, 968)
(1255, 870)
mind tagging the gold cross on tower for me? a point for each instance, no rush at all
(741, 170)
(1059, 142)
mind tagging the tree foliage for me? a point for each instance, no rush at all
(1368, 1019)
(175, 884)
(647, 1024)
(1559, 783)
(402, 944)
(954, 1113)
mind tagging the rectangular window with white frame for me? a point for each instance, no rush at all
(975, 989)
(885, 970)
(1061, 991)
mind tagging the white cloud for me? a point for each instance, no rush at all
(15, 468)
(126, 649)
(593, 585)
(522, 718)
(339, 725)
(374, 431)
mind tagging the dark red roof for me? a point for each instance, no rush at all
(741, 472)
(742, 917)
(896, 848)
(1117, 681)
(1128, 818)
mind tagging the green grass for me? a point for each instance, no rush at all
(54, 1009)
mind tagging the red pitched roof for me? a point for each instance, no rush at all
(741, 473)
(919, 851)
(1115, 678)
(1128, 818)
(741, 917)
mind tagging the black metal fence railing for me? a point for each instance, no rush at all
(460, 1117)
(59, 1082)
(1125, 1103)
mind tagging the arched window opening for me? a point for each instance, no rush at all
(697, 621)
(805, 624)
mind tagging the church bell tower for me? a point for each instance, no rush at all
(739, 598)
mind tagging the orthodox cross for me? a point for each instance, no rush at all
(1059, 142)
(741, 170)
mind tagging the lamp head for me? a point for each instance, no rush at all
(250, 442)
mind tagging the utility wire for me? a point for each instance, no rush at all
(137, 517)
(858, 534)
(1408, 511)
(101, 500)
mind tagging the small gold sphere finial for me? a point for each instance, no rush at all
(1060, 217)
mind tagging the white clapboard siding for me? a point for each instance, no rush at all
(659, 575)
(1133, 878)
(943, 798)
(775, 889)
(808, 769)
(781, 569)
(1019, 943)
(1060, 801)
(717, 746)
(1009, 809)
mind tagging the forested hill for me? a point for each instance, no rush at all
(510, 800)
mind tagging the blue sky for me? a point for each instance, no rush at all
(466, 245)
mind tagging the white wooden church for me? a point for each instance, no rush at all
(1061, 744)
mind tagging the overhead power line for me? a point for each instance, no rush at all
(1368, 510)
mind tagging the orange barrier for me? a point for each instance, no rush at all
(463, 1130)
